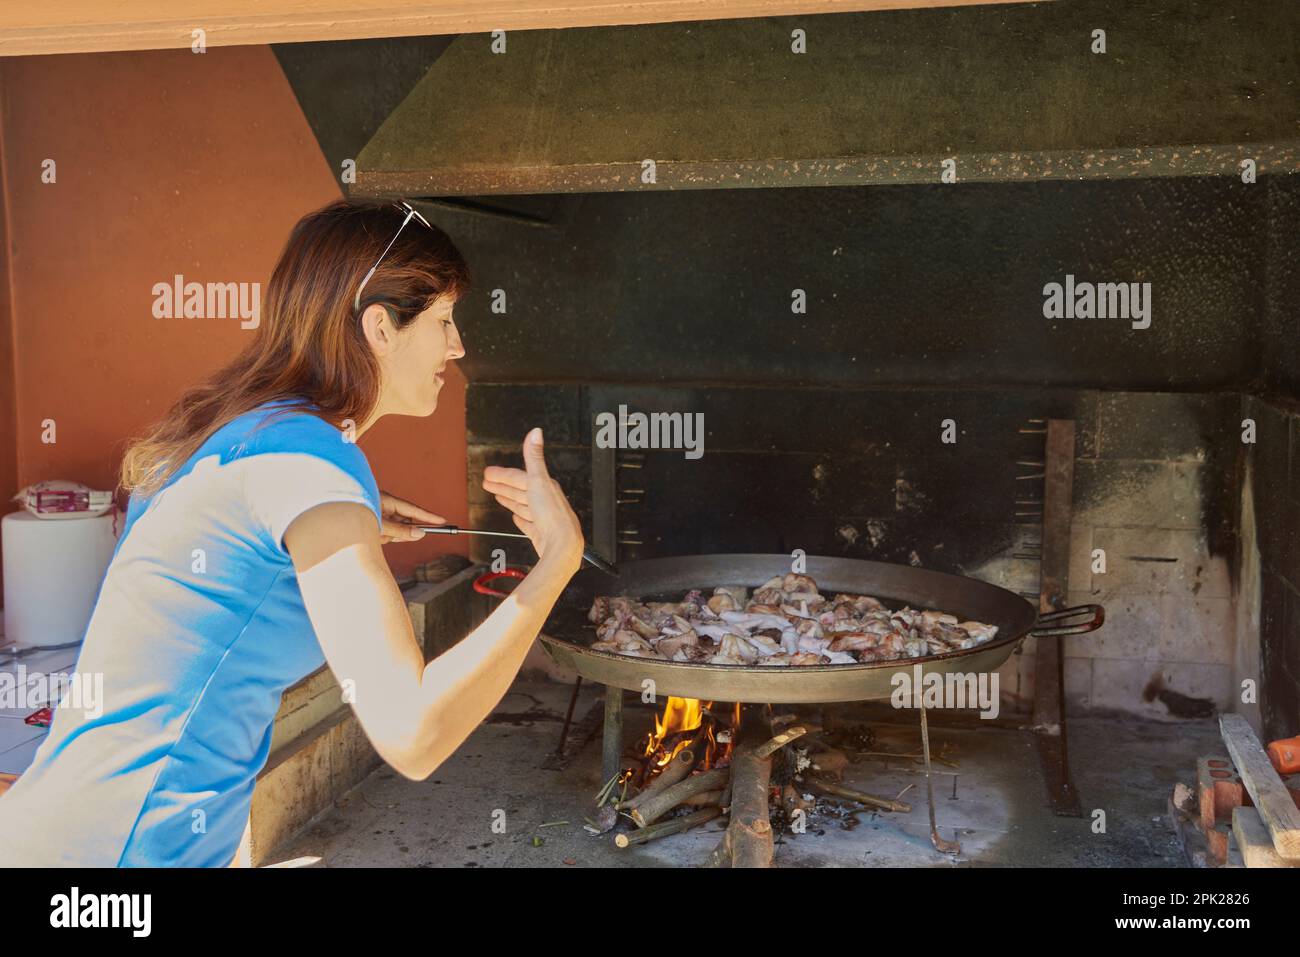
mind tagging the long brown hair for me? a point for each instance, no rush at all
(309, 347)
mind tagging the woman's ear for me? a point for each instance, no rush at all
(377, 326)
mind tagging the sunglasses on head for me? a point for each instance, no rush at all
(411, 213)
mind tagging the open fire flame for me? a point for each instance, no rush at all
(680, 719)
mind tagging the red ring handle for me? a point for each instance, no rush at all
(481, 583)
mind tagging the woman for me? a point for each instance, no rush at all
(251, 554)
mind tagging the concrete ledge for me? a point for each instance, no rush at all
(305, 779)
(318, 748)
(304, 706)
(444, 612)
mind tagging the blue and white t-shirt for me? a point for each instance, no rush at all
(198, 628)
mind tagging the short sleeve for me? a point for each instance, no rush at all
(281, 486)
(297, 464)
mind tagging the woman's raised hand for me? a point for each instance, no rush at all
(537, 504)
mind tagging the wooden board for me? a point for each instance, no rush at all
(1054, 586)
(78, 26)
(1253, 840)
(1272, 799)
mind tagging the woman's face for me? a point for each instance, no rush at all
(414, 364)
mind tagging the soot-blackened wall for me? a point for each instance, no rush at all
(824, 429)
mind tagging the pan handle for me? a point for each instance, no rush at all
(1060, 631)
(482, 584)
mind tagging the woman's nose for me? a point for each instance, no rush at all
(456, 348)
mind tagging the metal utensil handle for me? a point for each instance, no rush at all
(609, 568)
(1096, 620)
(457, 530)
(588, 555)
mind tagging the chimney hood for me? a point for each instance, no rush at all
(991, 93)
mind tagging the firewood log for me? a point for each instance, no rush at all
(681, 765)
(677, 769)
(704, 799)
(850, 794)
(779, 741)
(748, 841)
(657, 805)
(675, 826)
(749, 835)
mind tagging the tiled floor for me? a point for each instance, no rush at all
(19, 740)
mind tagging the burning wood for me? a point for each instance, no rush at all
(681, 716)
(684, 779)
(678, 768)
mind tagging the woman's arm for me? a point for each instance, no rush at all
(415, 714)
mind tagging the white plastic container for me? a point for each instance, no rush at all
(52, 573)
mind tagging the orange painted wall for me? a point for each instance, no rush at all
(8, 435)
(167, 162)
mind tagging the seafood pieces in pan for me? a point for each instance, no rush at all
(786, 621)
